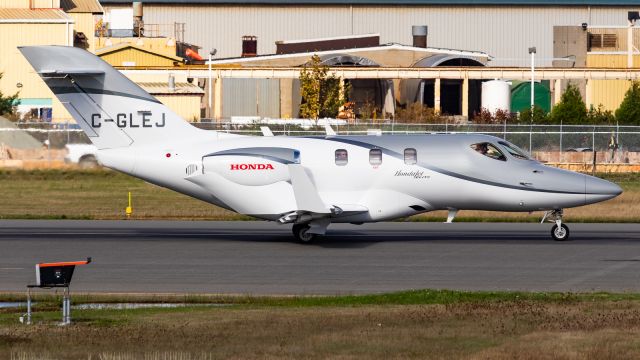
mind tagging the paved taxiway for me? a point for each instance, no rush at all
(262, 258)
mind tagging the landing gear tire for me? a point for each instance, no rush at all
(302, 234)
(560, 233)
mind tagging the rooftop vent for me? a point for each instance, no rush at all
(249, 46)
(419, 33)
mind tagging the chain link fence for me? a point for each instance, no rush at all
(553, 143)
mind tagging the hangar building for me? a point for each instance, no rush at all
(505, 29)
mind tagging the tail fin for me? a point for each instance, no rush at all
(111, 109)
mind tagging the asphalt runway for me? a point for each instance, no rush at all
(262, 258)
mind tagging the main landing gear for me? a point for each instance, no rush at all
(559, 231)
(302, 234)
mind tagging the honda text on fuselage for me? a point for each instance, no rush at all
(309, 182)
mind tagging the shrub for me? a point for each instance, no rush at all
(8, 103)
(629, 111)
(571, 109)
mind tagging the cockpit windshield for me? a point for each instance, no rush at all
(489, 150)
(515, 151)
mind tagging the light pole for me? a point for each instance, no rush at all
(209, 82)
(632, 16)
(532, 52)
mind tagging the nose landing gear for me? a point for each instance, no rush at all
(559, 231)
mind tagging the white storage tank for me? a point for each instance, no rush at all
(496, 95)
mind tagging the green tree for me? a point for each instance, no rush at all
(599, 116)
(629, 111)
(7, 103)
(571, 109)
(322, 94)
(537, 116)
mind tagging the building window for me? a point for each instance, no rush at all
(375, 157)
(342, 157)
(410, 156)
(602, 41)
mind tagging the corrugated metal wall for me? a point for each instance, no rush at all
(15, 67)
(85, 23)
(136, 58)
(251, 97)
(505, 32)
(609, 93)
(15, 4)
(186, 106)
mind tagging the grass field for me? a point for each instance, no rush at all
(102, 194)
(414, 324)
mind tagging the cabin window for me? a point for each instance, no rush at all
(342, 157)
(410, 156)
(489, 150)
(375, 157)
(515, 151)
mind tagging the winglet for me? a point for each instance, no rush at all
(305, 192)
(328, 129)
(266, 131)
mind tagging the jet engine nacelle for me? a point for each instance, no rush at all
(247, 170)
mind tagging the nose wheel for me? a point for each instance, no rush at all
(559, 231)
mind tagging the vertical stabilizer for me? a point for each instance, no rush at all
(111, 109)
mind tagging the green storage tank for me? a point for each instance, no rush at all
(521, 95)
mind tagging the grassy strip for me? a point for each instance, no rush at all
(420, 324)
(410, 297)
(102, 194)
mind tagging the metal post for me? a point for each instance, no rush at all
(69, 309)
(593, 146)
(209, 85)
(66, 307)
(530, 134)
(532, 51)
(504, 134)
(28, 306)
(561, 141)
(630, 43)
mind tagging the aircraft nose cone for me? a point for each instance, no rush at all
(596, 186)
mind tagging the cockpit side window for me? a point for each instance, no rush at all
(514, 151)
(489, 150)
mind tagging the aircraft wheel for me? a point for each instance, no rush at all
(560, 233)
(302, 234)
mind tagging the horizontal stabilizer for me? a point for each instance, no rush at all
(74, 71)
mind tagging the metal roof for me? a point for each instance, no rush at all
(81, 6)
(396, 2)
(162, 88)
(332, 53)
(33, 16)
